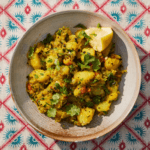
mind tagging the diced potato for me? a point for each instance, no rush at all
(50, 60)
(35, 61)
(39, 76)
(104, 106)
(72, 45)
(112, 63)
(83, 76)
(85, 116)
(39, 48)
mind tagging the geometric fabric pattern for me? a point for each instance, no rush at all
(16, 16)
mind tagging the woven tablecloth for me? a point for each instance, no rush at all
(16, 16)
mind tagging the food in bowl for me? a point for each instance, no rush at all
(75, 75)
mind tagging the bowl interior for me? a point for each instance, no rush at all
(129, 86)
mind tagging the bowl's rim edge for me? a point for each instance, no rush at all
(104, 131)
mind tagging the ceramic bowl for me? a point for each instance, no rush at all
(100, 125)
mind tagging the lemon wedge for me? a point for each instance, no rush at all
(100, 37)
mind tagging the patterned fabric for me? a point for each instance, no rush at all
(16, 16)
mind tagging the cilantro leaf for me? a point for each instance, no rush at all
(72, 110)
(51, 112)
(31, 51)
(55, 99)
(98, 25)
(42, 74)
(57, 85)
(94, 34)
(88, 58)
(97, 99)
(96, 64)
(50, 60)
(111, 79)
(48, 39)
(89, 104)
(36, 76)
(67, 80)
(106, 90)
(64, 90)
(82, 66)
(59, 32)
(80, 26)
(57, 64)
(95, 80)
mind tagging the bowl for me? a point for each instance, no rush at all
(100, 125)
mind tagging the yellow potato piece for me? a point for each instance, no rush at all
(85, 116)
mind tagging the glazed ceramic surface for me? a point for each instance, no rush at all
(100, 125)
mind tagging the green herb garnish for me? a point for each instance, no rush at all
(51, 112)
(55, 99)
(98, 25)
(89, 104)
(95, 80)
(59, 32)
(42, 74)
(50, 60)
(72, 110)
(67, 80)
(48, 39)
(31, 52)
(106, 90)
(35, 76)
(57, 64)
(80, 26)
(97, 99)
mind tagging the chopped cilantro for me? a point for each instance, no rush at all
(80, 26)
(113, 46)
(106, 90)
(96, 64)
(48, 39)
(89, 104)
(105, 112)
(42, 61)
(42, 74)
(81, 100)
(51, 112)
(50, 68)
(67, 80)
(82, 66)
(111, 79)
(31, 51)
(95, 80)
(57, 85)
(55, 99)
(97, 99)
(50, 60)
(35, 76)
(71, 68)
(57, 64)
(87, 42)
(94, 34)
(59, 32)
(62, 89)
(98, 25)
(72, 110)
(88, 58)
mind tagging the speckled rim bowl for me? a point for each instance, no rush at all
(100, 125)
